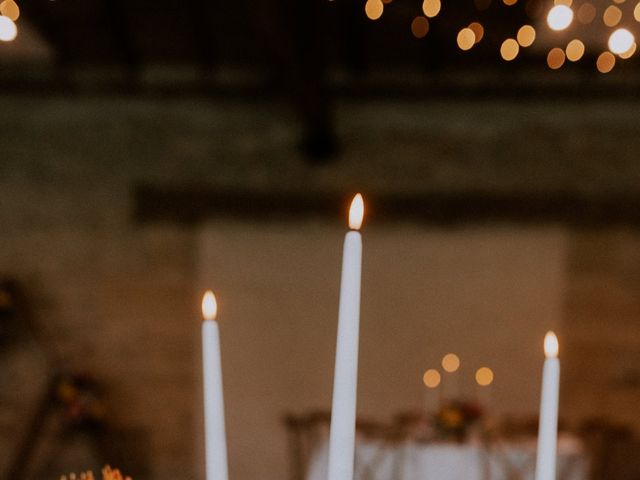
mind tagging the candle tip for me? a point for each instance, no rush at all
(551, 346)
(209, 306)
(356, 212)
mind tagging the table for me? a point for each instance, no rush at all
(376, 460)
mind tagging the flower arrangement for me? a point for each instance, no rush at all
(455, 419)
(108, 473)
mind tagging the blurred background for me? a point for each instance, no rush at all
(151, 150)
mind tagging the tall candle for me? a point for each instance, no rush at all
(215, 441)
(548, 423)
(343, 411)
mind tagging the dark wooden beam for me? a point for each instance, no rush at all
(202, 13)
(121, 33)
(191, 205)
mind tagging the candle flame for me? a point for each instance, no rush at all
(551, 345)
(356, 212)
(209, 306)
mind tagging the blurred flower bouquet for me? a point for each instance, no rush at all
(108, 473)
(455, 420)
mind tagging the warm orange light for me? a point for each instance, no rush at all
(450, 362)
(526, 36)
(509, 49)
(574, 50)
(484, 376)
(612, 16)
(431, 8)
(10, 9)
(551, 345)
(374, 9)
(431, 378)
(356, 212)
(209, 306)
(605, 62)
(466, 39)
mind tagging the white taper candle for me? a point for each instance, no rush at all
(548, 422)
(214, 430)
(343, 412)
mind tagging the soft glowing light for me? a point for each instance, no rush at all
(555, 58)
(618, 1)
(431, 8)
(605, 63)
(420, 27)
(431, 378)
(568, 3)
(10, 9)
(612, 16)
(8, 29)
(466, 39)
(636, 12)
(574, 50)
(629, 53)
(551, 345)
(526, 35)
(559, 17)
(209, 306)
(586, 13)
(450, 362)
(478, 30)
(509, 2)
(374, 9)
(356, 212)
(509, 49)
(621, 41)
(484, 376)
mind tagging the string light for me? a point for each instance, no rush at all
(559, 17)
(621, 41)
(8, 29)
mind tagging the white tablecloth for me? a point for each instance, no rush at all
(414, 461)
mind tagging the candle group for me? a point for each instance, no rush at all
(343, 414)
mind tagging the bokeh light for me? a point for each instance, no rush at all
(636, 12)
(559, 17)
(431, 8)
(612, 16)
(478, 30)
(629, 53)
(509, 49)
(509, 2)
(568, 3)
(450, 362)
(621, 41)
(605, 62)
(484, 376)
(374, 9)
(555, 58)
(526, 36)
(420, 27)
(466, 39)
(431, 378)
(574, 50)
(10, 9)
(586, 13)
(8, 29)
